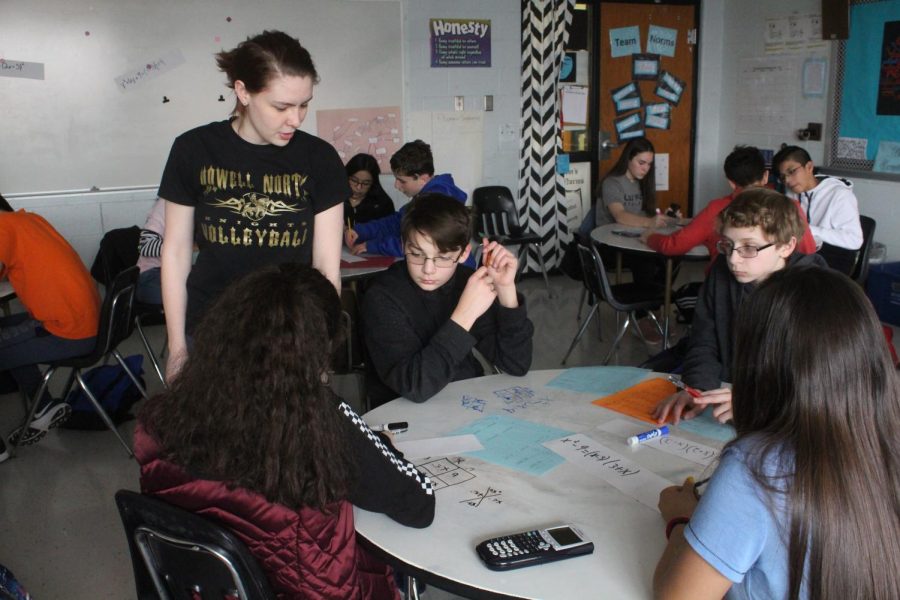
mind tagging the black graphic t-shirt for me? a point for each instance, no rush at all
(254, 205)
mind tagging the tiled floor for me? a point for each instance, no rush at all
(59, 529)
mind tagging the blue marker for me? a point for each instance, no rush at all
(648, 435)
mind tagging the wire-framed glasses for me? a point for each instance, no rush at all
(441, 262)
(360, 182)
(725, 247)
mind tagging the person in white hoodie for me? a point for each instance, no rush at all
(829, 204)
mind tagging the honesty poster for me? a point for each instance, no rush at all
(460, 42)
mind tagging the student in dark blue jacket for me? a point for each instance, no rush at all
(413, 168)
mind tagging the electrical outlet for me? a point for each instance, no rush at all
(459, 103)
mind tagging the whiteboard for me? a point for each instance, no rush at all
(76, 128)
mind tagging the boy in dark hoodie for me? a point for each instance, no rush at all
(423, 316)
(413, 168)
(759, 233)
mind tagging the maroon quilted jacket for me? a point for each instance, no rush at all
(306, 554)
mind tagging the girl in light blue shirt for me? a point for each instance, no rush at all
(806, 500)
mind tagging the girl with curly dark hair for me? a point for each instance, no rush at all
(251, 435)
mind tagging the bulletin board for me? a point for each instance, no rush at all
(867, 91)
(84, 83)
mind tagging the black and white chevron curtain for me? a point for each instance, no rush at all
(545, 31)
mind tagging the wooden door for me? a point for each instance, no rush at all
(662, 29)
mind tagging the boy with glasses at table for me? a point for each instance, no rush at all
(829, 205)
(759, 232)
(423, 317)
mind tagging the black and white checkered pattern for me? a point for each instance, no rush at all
(402, 465)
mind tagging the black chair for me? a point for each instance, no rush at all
(628, 298)
(118, 251)
(116, 324)
(498, 220)
(178, 555)
(861, 268)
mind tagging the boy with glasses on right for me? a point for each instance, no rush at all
(759, 232)
(423, 317)
(829, 205)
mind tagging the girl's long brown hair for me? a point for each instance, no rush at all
(251, 405)
(815, 386)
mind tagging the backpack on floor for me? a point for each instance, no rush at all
(114, 390)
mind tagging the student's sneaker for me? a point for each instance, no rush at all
(3, 453)
(49, 414)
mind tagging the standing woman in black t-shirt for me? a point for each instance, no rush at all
(249, 191)
(368, 200)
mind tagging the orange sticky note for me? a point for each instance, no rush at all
(639, 400)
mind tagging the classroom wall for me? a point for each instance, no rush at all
(732, 30)
(427, 89)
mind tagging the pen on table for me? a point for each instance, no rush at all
(680, 384)
(396, 427)
(648, 435)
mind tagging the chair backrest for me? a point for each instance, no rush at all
(861, 268)
(179, 555)
(496, 211)
(595, 277)
(118, 251)
(117, 311)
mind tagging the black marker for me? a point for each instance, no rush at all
(398, 427)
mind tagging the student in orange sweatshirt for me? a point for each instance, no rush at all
(62, 309)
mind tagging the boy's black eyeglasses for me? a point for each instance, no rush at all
(441, 262)
(725, 247)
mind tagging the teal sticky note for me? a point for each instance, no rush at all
(515, 443)
(625, 41)
(562, 164)
(705, 425)
(661, 40)
(601, 381)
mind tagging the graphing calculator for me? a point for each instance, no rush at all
(534, 547)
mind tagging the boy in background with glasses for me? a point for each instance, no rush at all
(423, 317)
(759, 232)
(828, 203)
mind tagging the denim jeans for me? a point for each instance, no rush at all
(24, 344)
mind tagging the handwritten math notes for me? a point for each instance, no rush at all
(629, 478)
(695, 452)
(440, 446)
(446, 472)
(510, 400)
(692, 451)
(514, 443)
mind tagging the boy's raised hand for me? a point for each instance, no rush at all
(476, 298)
(502, 266)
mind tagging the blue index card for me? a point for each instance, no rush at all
(515, 443)
(706, 425)
(624, 41)
(601, 381)
(562, 164)
(661, 40)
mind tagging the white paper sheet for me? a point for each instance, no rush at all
(661, 171)
(629, 478)
(441, 446)
(671, 444)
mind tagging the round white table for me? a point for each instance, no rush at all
(605, 234)
(477, 499)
